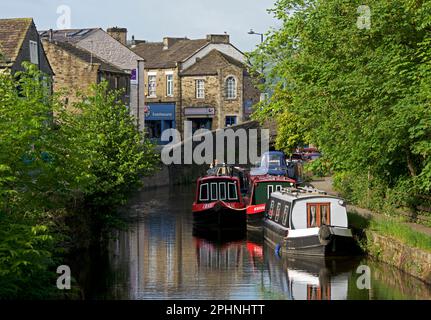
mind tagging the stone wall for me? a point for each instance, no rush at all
(72, 75)
(108, 48)
(212, 94)
(413, 261)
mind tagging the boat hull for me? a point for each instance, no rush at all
(220, 217)
(310, 245)
(255, 221)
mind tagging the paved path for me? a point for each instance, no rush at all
(325, 184)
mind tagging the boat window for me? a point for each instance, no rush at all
(222, 191)
(270, 189)
(203, 192)
(271, 209)
(278, 187)
(277, 212)
(233, 194)
(318, 214)
(286, 214)
(214, 191)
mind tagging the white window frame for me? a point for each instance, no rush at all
(200, 192)
(286, 210)
(222, 184)
(236, 191)
(34, 52)
(216, 191)
(200, 88)
(271, 209)
(268, 193)
(152, 90)
(230, 91)
(169, 85)
(277, 212)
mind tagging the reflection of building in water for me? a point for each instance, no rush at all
(164, 261)
(307, 278)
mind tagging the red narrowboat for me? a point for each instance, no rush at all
(219, 203)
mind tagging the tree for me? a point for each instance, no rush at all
(361, 94)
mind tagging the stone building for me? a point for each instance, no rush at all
(19, 42)
(204, 81)
(77, 69)
(111, 47)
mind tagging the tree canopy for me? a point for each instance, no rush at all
(360, 92)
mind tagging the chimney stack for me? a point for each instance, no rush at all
(169, 42)
(119, 34)
(218, 38)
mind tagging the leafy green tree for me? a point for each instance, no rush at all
(106, 139)
(53, 159)
(361, 93)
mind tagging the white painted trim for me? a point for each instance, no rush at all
(298, 233)
(168, 73)
(152, 73)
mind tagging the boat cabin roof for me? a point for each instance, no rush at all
(270, 178)
(209, 178)
(295, 194)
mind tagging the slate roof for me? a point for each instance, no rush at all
(156, 57)
(86, 56)
(12, 35)
(211, 63)
(70, 35)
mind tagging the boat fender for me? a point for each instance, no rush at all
(325, 234)
(278, 250)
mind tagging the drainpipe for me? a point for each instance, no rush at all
(180, 102)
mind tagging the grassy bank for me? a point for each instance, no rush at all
(391, 227)
(393, 242)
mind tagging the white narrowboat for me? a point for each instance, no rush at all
(307, 221)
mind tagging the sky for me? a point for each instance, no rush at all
(153, 19)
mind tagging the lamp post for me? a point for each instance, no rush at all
(262, 66)
(261, 41)
(257, 33)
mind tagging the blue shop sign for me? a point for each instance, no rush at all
(160, 111)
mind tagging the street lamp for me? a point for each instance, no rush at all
(261, 41)
(257, 33)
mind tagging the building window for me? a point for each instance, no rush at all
(170, 85)
(200, 89)
(151, 86)
(34, 52)
(230, 88)
(230, 121)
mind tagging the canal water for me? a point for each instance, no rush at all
(158, 255)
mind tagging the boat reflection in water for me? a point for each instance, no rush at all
(309, 278)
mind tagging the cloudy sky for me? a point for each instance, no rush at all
(153, 19)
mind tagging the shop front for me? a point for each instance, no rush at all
(159, 117)
(201, 118)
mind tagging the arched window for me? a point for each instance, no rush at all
(230, 88)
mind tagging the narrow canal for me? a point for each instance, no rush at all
(157, 255)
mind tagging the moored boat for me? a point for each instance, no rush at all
(308, 222)
(260, 190)
(219, 203)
